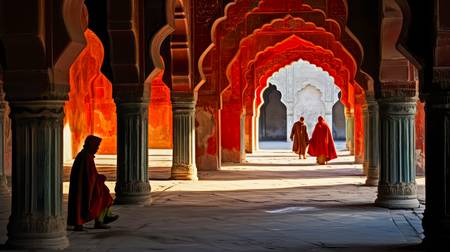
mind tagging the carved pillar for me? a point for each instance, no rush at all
(436, 220)
(132, 185)
(242, 131)
(207, 130)
(37, 218)
(349, 129)
(371, 140)
(397, 185)
(183, 167)
(3, 182)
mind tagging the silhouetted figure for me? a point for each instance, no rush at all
(321, 144)
(299, 135)
(89, 197)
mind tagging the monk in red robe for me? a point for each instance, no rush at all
(299, 135)
(321, 144)
(89, 197)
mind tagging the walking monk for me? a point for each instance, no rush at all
(321, 144)
(89, 197)
(299, 135)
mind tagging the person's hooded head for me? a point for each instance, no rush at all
(91, 144)
(320, 119)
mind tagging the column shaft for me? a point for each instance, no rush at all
(3, 182)
(132, 185)
(371, 141)
(350, 130)
(436, 220)
(183, 166)
(37, 218)
(397, 185)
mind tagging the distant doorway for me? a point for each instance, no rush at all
(272, 120)
(338, 121)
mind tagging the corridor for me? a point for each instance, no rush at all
(274, 202)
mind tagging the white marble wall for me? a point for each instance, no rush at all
(306, 91)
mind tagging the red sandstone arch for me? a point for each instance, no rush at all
(231, 28)
(273, 58)
(159, 38)
(280, 29)
(91, 109)
(292, 49)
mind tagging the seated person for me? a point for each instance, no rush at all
(89, 197)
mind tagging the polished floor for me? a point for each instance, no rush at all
(273, 202)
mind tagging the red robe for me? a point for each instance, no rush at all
(321, 142)
(88, 194)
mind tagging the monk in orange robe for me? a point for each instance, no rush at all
(299, 135)
(321, 144)
(89, 197)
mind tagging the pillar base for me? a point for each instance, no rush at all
(397, 203)
(135, 193)
(366, 167)
(37, 233)
(37, 242)
(184, 172)
(4, 190)
(398, 196)
(371, 182)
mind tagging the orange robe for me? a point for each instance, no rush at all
(321, 143)
(88, 194)
(300, 136)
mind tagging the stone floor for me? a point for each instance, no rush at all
(274, 202)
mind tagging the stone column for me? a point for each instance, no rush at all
(371, 140)
(397, 184)
(436, 220)
(242, 131)
(132, 185)
(183, 166)
(3, 182)
(37, 219)
(350, 130)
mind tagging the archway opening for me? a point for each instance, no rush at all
(306, 90)
(338, 121)
(273, 116)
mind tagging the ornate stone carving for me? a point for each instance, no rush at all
(32, 224)
(133, 187)
(398, 190)
(394, 89)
